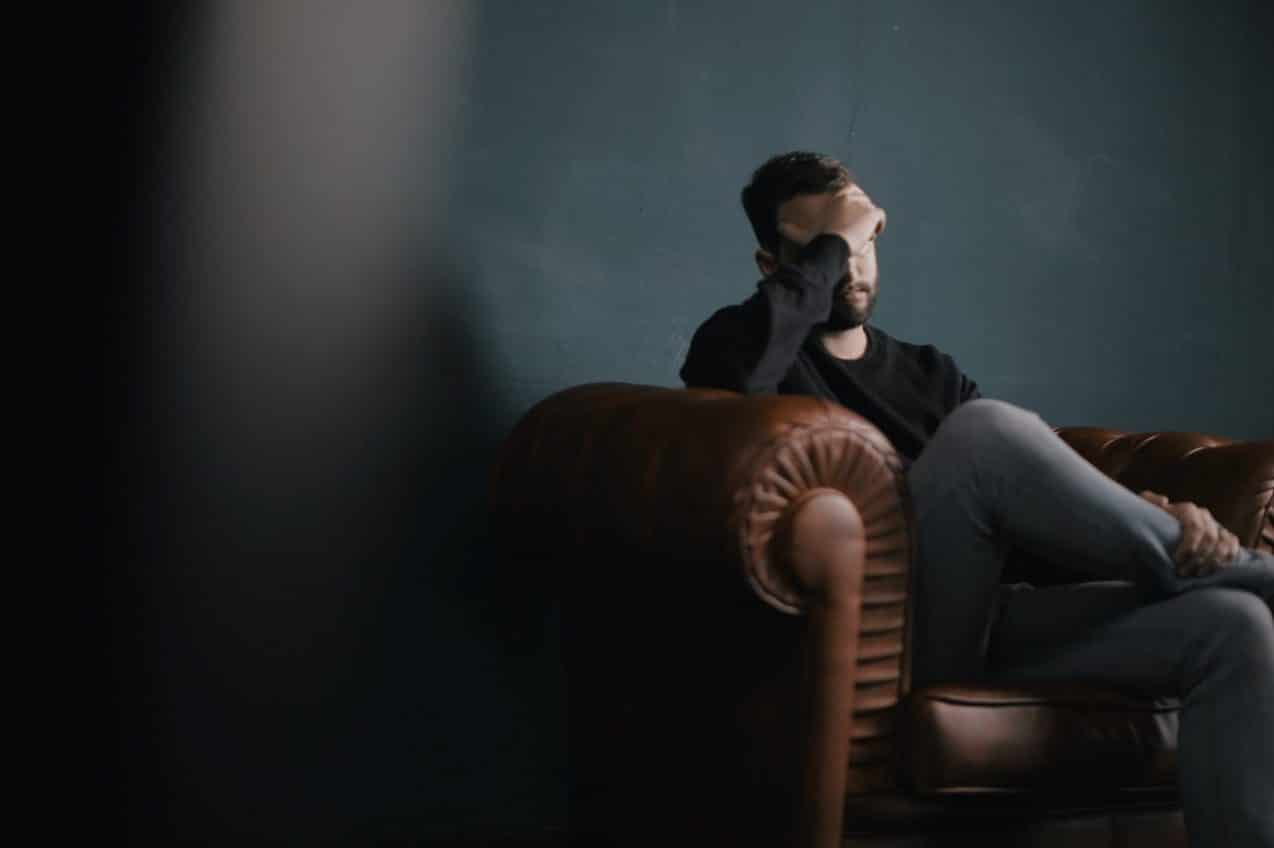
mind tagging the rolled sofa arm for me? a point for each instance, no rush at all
(699, 474)
(806, 498)
(1233, 480)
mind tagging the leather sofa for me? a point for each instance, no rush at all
(733, 575)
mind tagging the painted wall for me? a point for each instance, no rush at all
(362, 239)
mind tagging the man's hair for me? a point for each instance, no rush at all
(780, 179)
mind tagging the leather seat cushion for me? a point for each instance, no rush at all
(1072, 739)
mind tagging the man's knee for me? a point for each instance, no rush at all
(1234, 610)
(989, 413)
(1232, 625)
(986, 420)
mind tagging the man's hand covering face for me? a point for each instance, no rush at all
(849, 213)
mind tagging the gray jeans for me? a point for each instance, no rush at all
(995, 477)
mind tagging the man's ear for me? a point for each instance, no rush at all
(766, 262)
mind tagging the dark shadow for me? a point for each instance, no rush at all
(352, 659)
(310, 636)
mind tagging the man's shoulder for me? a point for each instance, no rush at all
(927, 364)
(728, 322)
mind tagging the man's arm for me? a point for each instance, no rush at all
(749, 347)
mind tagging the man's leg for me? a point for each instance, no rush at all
(995, 475)
(1212, 647)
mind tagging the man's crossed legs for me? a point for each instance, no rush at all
(994, 477)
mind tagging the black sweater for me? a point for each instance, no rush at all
(771, 343)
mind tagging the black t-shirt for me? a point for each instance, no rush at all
(771, 343)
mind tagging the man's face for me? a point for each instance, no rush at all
(855, 295)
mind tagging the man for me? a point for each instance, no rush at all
(1180, 608)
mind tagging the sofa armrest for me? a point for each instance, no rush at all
(803, 497)
(696, 474)
(1233, 480)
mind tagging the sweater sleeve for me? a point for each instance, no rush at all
(750, 347)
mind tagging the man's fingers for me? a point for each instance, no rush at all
(1223, 551)
(1193, 537)
(881, 220)
(1205, 544)
(1187, 549)
(1207, 559)
(1227, 548)
(1190, 532)
(866, 229)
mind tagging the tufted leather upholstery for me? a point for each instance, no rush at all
(734, 582)
(1000, 739)
(1235, 481)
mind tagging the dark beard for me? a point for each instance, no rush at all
(846, 316)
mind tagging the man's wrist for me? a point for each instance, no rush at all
(825, 257)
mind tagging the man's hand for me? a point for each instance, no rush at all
(849, 213)
(1205, 545)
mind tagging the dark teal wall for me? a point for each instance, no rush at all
(1078, 195)
(357, 242)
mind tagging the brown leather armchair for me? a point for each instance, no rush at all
(733, 575)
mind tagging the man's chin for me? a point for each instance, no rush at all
(846, 317)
